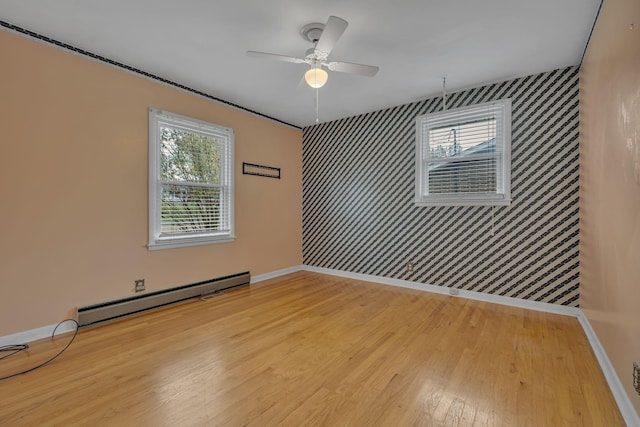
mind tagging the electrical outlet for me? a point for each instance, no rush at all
(636, 377)
(410, 267)
(139, 285)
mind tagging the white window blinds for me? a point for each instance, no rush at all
(190, 181)
(463, 155)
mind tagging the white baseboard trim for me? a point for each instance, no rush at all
(617, 389)
(620, 395)
(622, 398)
(273, 274)
(36, 334)
(46, 331)
(478, 296)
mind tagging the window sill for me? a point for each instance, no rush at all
(466, 202)
(186, 242)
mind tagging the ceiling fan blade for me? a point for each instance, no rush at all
(348, 67)
(333, 29)
(284, 58)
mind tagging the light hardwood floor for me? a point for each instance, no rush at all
(309, 349)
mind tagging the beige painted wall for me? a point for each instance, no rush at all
(73, 182)
(610, 186)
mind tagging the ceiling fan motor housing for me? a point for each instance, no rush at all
(315, 55)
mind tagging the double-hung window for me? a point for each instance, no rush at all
(190, 181)
(463, 156)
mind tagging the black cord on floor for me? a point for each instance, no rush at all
(21, 347)
(13, 348)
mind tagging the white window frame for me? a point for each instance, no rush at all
(157, 240)
(501, 110)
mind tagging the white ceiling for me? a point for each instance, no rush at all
(202, 44)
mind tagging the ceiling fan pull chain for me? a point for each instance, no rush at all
(444, 93)
(317, 94)
(493, 220)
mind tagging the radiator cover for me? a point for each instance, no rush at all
(110, 310)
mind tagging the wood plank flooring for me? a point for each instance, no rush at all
(309, 349)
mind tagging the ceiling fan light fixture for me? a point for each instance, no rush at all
(316, 77)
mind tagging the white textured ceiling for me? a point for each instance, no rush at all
(202, 44)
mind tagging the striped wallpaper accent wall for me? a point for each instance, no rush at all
(358, 190)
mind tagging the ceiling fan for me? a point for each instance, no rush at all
(324, 38)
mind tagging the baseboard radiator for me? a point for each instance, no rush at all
(111, 310)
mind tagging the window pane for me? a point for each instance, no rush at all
(189, 209)
(472, 176)
(188, 156)
(476, 137)
(463, 156)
